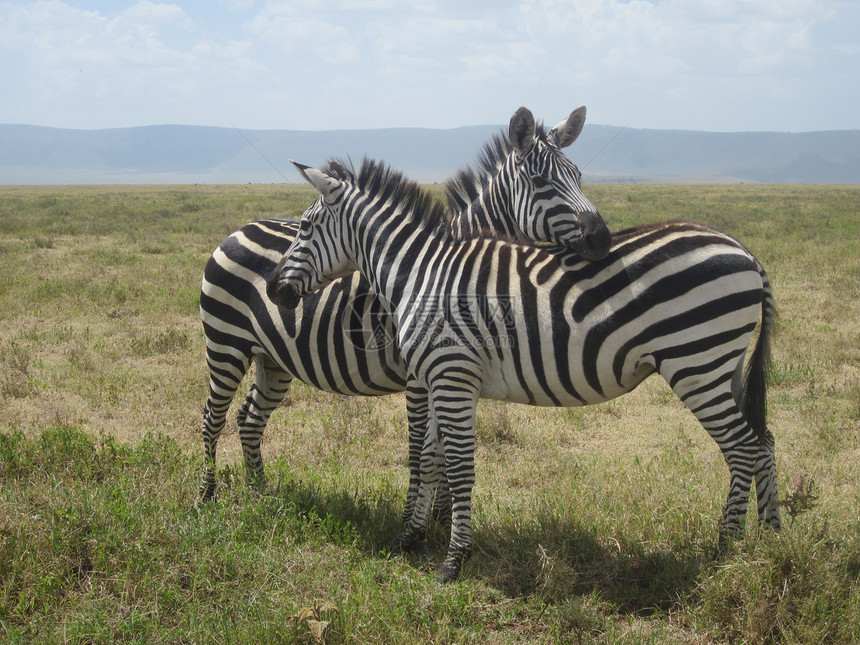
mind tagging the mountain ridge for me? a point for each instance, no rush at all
(31, 154)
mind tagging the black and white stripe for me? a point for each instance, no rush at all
(480, 317)
(339, 340)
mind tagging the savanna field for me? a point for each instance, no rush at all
(591, 525)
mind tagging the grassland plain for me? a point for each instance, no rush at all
(591, 525)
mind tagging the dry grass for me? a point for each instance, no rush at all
(592, 525)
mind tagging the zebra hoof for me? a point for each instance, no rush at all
(406, 542)
(449, 571)
(421, 548)
(726, 539)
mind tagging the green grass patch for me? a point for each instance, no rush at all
(591, 525)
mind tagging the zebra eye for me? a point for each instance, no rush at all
(539, 182)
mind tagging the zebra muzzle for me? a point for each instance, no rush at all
(283, 295)
(595, 241)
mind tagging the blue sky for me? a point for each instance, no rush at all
(720, 65)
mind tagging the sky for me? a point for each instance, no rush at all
(716, 65)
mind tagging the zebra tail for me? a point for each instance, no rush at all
(757, 374)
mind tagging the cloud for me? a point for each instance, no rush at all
(318, 64)
(672, 63)
(327, 42)
(705, 37)
(157, 13)
(148, 63)
(237, 5)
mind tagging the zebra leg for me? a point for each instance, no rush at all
(225, 374)
(270, 387)
(718, 412)
(417, 410)
(765, 484)
(740, 450)
(431, 468)
(214, 417)
(442, 501)
(454, 409)
(765, 468)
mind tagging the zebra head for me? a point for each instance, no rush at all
(315, 258)
(547, 188)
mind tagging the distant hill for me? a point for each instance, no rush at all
(194, 154)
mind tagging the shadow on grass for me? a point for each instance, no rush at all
(549, 555)
(557, 559)
(366, 517)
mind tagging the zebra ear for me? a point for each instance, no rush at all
(324, 183)
(521, 131)
(568, 130)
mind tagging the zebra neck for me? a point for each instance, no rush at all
(492, 207)
(485, 214)
(395, 256)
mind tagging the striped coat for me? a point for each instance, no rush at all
(482, 317)
(341, 339)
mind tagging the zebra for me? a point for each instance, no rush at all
(524, 187)
(678, 298)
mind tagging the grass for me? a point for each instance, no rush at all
(591, 525)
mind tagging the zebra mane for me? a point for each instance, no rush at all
(467, 183)
(385, 184)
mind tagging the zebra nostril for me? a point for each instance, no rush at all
(595, 239)
(283, 295)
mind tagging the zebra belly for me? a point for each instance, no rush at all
(505, 381)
